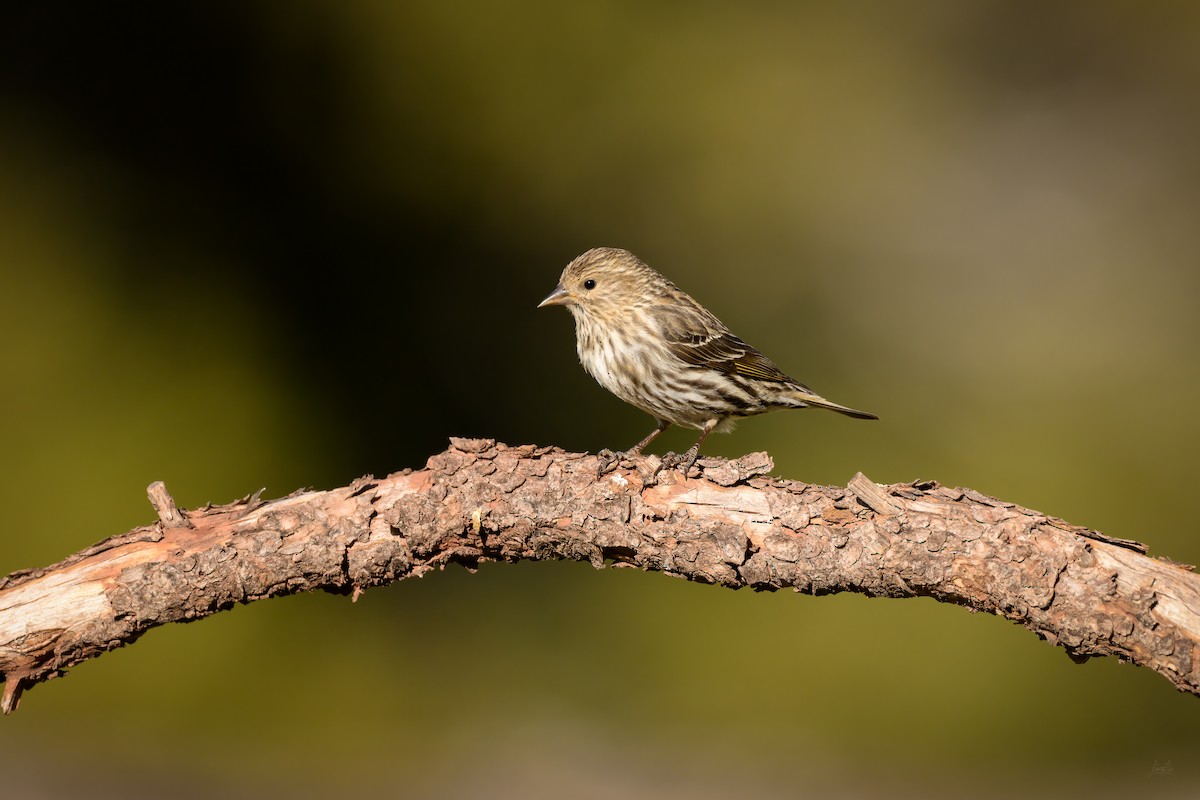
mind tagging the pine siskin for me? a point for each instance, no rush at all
(653, 346)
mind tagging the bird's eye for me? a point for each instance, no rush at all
(589, 284)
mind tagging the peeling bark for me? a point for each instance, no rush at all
(732, 525)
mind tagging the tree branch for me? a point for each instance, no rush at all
(734, 526)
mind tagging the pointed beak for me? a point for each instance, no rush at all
(559, 297)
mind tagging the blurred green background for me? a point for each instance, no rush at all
(285, 244)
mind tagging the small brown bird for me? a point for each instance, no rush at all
(649, 343)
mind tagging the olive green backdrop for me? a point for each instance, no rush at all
(285, 244)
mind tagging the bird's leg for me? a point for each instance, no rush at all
(609, 460)
(689, 458)
(636, 450)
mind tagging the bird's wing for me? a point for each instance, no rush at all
(697, 337)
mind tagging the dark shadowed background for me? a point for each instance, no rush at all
(286, 244)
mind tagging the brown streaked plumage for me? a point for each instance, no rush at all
(652, 345)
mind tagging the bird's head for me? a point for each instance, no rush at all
(604, 281)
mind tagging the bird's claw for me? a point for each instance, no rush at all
(609, 460)
(679, 461)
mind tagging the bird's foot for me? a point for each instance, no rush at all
(610, 460)
(682, 462)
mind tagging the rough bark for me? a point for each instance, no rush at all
(732, 525)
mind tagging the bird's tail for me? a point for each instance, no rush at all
(810, 398)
